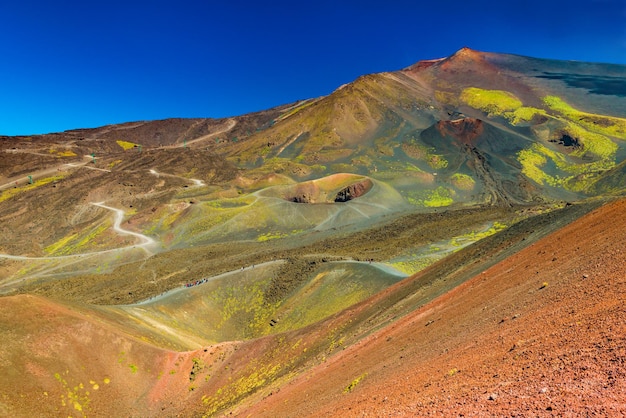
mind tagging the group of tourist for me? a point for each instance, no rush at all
(196, 283)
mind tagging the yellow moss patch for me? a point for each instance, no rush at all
(295, 110)
(424, 153)
(353, 384)
(270, 235)
(51, 249)
(592, 142)
(126, 145)
(439, 197)
(524, 114)
(9, 193)
(74, 242)
(254, 376)
(474, 236)
(409, 267)
(463, 181)
(245, 301)
(532, 159)
(606, 125)
(445, 97)
(114, 163)
(64, 153)
(493, 102)
(574, 177)
(75, 396)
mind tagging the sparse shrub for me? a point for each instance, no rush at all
(353, 384)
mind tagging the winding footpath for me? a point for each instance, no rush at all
(196, 182)
(146, 243)
(178, 289)
(385, 268)
(117, 226)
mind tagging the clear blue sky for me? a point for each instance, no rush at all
(68, 64)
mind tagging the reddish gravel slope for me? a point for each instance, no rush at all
(542, 333)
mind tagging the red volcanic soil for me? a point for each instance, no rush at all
(541, 333)
(466, 130)
(467, 57)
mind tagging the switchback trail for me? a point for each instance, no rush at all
(119, 217)
(196, 182)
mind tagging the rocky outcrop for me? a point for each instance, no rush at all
(303, 198)
(353, 191)
(308, 192)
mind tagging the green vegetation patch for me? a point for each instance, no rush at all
(425, 256)
(524, 114)
(9, 193)
(75, 397)
(343, 168)
(325, 294)
(439, 197)
(606, 125)
(423, 153)
(410, 267)
(592, 142)
(573, 177)
(64, 153)
(285, 166)
(295, 110)
(90, 236)
(270, 236)
(126, 145)
(354, 383)
(244, 307)
(198, 221)
(258, 373)
(463, 181)
(532, 159)
(474, 236)
(501, 103)
(53, 248)
(493, 102)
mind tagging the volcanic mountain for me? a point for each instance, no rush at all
(442, 239)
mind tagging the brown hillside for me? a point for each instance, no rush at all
(441, 240)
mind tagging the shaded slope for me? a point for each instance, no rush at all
(246, 304)
(353, 121)
(489, 156)
(612, 182)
